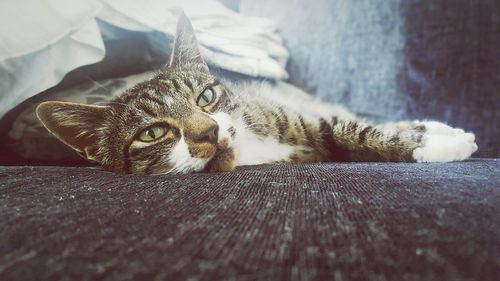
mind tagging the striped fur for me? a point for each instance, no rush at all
(246, 124)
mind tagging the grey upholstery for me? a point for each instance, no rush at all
(374, 221)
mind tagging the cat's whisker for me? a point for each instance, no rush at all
(171, 171)
(112, 102)
(99, 84)
(259, 126)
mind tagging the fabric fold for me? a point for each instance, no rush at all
(42, 40)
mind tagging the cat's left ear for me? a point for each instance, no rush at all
(185, 49)
(74, 124)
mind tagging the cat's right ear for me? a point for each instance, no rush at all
(185, 48)
(74, 124)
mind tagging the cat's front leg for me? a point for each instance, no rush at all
(416, 141)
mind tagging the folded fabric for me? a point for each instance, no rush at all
(247, 45)
(42, 40)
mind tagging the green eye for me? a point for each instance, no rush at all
(206, 98)
(152, 134)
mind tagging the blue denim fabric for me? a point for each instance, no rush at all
(389, 60)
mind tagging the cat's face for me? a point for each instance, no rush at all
(178, 121)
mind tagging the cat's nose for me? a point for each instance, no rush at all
(210, 135)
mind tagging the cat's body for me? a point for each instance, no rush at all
(184, 120)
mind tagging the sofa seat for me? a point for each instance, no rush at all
(335, 221)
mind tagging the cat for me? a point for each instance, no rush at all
(185, 120)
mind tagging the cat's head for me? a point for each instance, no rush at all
(177, 121)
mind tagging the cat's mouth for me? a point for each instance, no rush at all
(224, 157)
(222, 161)
(222, 145)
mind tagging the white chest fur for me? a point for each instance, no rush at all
(252, 149)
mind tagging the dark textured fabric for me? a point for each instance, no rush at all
(378, 221)
(398, 59)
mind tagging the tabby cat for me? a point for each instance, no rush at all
(185, 120)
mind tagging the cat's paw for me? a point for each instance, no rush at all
(438, 128)
(442, 143)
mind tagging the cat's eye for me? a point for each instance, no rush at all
(206, 98)
(152, 134)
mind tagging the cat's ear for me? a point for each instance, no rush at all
(185, 49)
(73, 123)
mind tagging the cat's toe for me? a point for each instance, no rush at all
(445, 148)
(470, 137)
(474, 147)
(434, 127)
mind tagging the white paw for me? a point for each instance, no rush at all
(438, 128)
(443, 143)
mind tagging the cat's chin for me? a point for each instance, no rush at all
(222, 161)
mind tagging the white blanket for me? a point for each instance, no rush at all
(42, 40)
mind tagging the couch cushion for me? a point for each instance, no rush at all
(379, 221)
